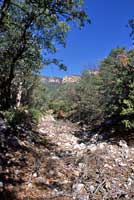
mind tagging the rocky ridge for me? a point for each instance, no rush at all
(66, 79)
(58, 80)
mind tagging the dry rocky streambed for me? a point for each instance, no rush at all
(66, 168)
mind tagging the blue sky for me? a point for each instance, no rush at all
(86, 48)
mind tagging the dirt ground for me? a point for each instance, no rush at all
(61, 166)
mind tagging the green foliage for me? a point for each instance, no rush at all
(59, 105)
(9, 115)
(128, 108)
(79, 100)
(88, 108)
(117, 77)
(35, 115)
(30, 31)
(38, 98)
(61, 97)
(22, 117)
(17, 117)
(106, 96)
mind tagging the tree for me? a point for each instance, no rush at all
(28, 27)
(88, 109)
(117, 77)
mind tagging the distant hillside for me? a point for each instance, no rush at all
(71, 79)
(57, 80)
(47, 79)
(66, 79)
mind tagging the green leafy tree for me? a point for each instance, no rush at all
(117, 77)
(28, 27)
(128, 108)
(88, 109)
(63, 98)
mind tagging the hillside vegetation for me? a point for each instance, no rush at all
(102, 100)
(69, 139)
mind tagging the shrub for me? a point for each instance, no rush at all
(35, 115)
(88, 108)
(16, 117)
(22, 116)
(117, 91)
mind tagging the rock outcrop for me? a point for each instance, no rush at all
(47, 79)
(58, 80)
(71, 79)
(66, 79)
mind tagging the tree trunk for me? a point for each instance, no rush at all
(19, 95)
(9, 84)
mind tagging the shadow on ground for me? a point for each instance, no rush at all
(105, 135)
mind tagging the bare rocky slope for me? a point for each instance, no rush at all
(58, 80)
(63, 162)
(66, 79)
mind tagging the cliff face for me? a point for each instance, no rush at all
(66, 79)
(57, 80)
(71, 79)
(46, 79)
